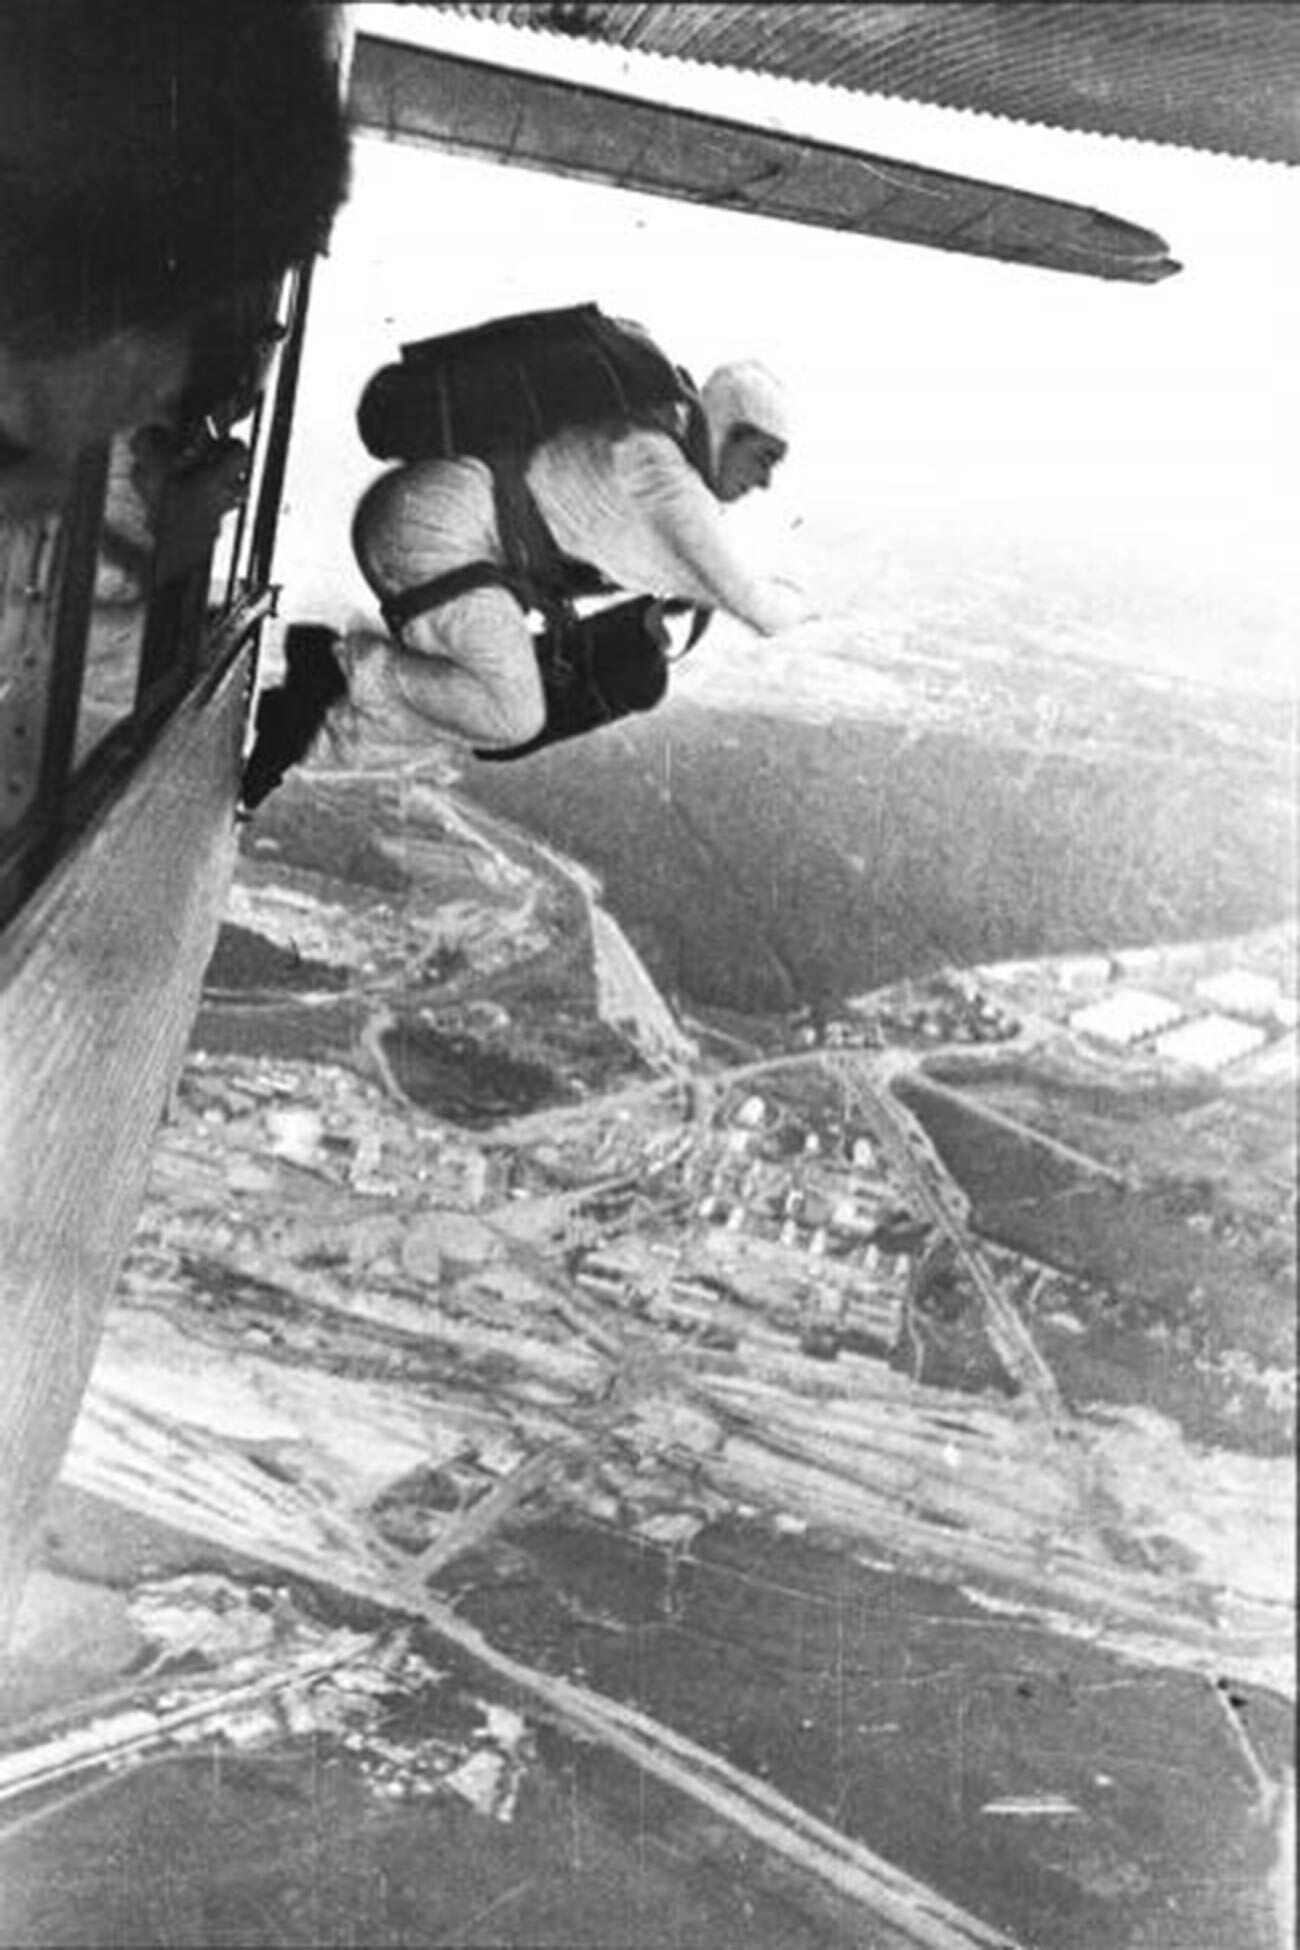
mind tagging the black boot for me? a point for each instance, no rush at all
(291, 714)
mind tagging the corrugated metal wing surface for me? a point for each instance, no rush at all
(1220, 75)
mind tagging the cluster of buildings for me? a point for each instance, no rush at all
(912, 1017)
(784, 1226)
(1207, 1025)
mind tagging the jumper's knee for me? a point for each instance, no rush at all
(515, 719)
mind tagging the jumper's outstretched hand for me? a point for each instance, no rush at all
(790, 604)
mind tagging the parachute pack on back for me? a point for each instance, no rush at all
(513, 382)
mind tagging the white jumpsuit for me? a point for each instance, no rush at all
(626, 501)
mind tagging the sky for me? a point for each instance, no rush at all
(1140, 435)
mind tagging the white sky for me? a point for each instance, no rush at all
(1145, 430)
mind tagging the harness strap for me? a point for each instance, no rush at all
(530, 549)
(701, 617)
(423, 597)
(695, 442)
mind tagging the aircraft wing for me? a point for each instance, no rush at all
(1218, 76)
(471, 107)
